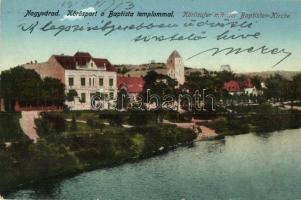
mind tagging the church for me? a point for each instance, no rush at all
(175, 67)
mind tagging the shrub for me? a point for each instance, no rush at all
(95, 124)
(50, 123)
(10, 129)
(73, 125)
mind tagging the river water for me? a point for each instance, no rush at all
(240, 167)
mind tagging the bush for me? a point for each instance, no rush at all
(10, 129)
(73, 125)
(142, 118)
(94, 124)
(115, 118)
(50, 123)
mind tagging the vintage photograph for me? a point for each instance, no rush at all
(150, 99)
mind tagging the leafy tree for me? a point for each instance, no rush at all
(222, 77)
(278, 88)
(256, 81)
(55, 91)
(297, 86)
(20, 84)
(71, 95)
(27, 87)
(159, 84)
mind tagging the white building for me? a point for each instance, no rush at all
(86, 75)
(175, 67)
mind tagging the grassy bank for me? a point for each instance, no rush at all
(260, 119)
(84, 143)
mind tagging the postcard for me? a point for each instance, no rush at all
(141, 99)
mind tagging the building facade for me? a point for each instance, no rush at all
(88, 76)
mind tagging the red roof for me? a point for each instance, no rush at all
(68, 62)
(101, 63)
(81, 58)
(82, 54)
(232, 86)
(131, 84)
(247, 83)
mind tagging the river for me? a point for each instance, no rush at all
(240, 167)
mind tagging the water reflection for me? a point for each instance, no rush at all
(216, 146)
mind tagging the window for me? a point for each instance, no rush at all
(111, 95)
(111, 82)
(71, 81)
(101, 82)
(90, 82)
(83, 81)
(83, 97)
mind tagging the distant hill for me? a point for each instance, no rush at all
(266, 74)
(142, 69)
(139, 70)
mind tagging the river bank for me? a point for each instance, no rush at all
(73, 142)
(245, 166)
(68, 148)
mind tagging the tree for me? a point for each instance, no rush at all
(277, 87)
(55, 91)
(159, 84)
(71, 95)
(27, 87)
(297, 86)
(224, 76)
(20, 84)
(256, 81)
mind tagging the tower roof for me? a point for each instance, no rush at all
(175, 54)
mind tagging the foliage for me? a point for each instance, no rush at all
(115, 118)
(71, 95)
(10, 130)
(51, 123)
(27, 87)
(73, 124)
(93, 123)
(159, 84)
(278, 88)
(141, 118)
(25, 162)
(256, 81)
(123, 71)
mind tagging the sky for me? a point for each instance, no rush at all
(19, 47)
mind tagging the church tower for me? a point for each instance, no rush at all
(175, 67)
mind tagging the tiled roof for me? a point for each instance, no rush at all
(68, 62)
(81, 58)
(101, 63)
(232, 86)
(132, 84)
(82, 54)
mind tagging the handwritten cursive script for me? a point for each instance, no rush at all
(263, 50)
